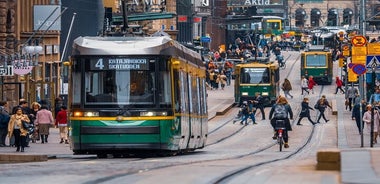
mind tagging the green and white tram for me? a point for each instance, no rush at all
(132, 94)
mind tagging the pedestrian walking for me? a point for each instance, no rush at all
(321, 105)
(252, 111)
(16, 128)
(35, 108)
(287, 87)
(351, 94)
(61, 121)
(4, 120)
(223, 80)
(44, 120)
(339, 84)
(367, 119)
(245, 113)
(305, 111)
(311, 84)
(259, 104)
(304, 85)
(357, 113)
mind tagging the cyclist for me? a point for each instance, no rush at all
(280, 60)
(280, 111)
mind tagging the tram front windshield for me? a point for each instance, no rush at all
(315, 60)
(255, 76)
(123, 81)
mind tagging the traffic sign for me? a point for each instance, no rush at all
(205, 39)
(359, 69)
(359, 41)
(359, 59)
(359, 51)
(373, 61)
(373, 48)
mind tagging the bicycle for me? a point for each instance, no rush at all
(281, 62)
(280, 128)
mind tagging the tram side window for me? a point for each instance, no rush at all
(315, 60)
(164, 89)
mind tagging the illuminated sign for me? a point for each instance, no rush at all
(254, 2)
(120, 64)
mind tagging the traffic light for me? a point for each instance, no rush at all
(341, 62)
(344, 64)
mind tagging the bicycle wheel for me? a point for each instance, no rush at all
(283, 66)
(280, 142)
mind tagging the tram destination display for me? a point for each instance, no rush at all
(120, 64)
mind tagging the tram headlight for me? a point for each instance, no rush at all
(85, 114)
(91, 114)
(265, 94)
(152, 113)
(244, 94)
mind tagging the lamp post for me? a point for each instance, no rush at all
(32, 57)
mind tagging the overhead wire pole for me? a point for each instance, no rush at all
(64, 51)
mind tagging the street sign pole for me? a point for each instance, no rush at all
(374, 67)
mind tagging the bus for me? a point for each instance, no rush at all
(316, 61)
(258, 75)
(133, 94)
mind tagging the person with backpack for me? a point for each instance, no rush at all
(280, 111)
(4, 120)
(321, 105)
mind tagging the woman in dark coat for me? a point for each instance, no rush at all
(357, 114)
(305, 112)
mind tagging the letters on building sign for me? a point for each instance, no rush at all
(205, 2)
(263, 2)
(148, 2)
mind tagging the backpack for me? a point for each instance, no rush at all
(4, 119)
(280, 112)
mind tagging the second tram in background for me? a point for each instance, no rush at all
(258, 75)
(316, 61)
(252, 29)
(132, 94)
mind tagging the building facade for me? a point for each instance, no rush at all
(31, 49)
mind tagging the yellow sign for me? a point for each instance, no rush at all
(359, 51)
(352, 77)
(373, 48)
(346, 53)
(359, 59)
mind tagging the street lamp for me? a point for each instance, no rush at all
(32, 52)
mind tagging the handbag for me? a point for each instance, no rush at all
(28, 127)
